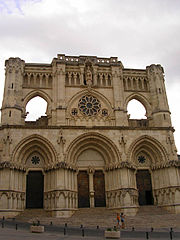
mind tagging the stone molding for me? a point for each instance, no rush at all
(13, 166)
(173, 163)
(73, 167)
(61, 165)
(113, 166)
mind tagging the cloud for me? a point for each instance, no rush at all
(138, 32)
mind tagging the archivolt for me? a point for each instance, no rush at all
(94, 141)
(151, 146)
(94, 93)
(31, 144)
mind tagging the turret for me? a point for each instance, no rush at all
(160, 108)
(12, 104)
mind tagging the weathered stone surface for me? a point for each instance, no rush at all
(87, 128)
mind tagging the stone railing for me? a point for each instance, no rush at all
(82, 59)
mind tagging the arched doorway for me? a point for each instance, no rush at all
(92, 152)
(144, 186)
(91, 183)
(34, 189)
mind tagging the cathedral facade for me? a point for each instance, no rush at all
(86, 151)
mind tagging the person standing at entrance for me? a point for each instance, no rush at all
(118, 220)
(122, 217)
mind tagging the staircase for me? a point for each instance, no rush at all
(33, 215)
(147, 217)
(153, 216)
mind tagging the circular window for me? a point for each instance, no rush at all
(104, 112)
(141, 159)
(74, 111)
(35, 160)
(89, 105)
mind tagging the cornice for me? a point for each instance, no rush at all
(87, 127)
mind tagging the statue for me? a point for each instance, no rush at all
(88, 76)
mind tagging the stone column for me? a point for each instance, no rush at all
(91, 186)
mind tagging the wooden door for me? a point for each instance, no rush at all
(34, 189)
(83, 189)
(143, 178)
(99, 189)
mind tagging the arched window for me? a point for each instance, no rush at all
(35, 109)
(25, 80)
(104, 80)
(109, 80)
(38, 80)
(50, 81)
(44, 81)
(136, 110)
(98, 80)
(67, 79)
(31, 80)
(78, 79)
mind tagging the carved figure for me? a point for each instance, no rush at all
(88, 76)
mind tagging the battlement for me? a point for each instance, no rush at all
(101, 61)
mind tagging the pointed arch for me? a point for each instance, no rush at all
(142, 99)
(95, 94)
(97, 142)
(149, 145)
(32, 144)
(38, 93)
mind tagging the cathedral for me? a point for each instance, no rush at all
(86, 152)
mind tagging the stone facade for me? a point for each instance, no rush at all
(87, 145)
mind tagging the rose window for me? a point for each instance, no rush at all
(141, 159)
(89, 105)
(35, 160)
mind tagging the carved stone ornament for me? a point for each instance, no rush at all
(88, 76)
(89, 105)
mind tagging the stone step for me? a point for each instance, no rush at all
(151, 210)
(33, 213)
(147, 217)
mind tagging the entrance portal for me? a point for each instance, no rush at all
(143, 179)
(83, 189)
(99, 189)
(34, 189)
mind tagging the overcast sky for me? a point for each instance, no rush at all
(138, 32)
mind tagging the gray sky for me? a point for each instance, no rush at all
(138, 32)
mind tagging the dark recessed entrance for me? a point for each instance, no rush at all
(34, 189)
(99, 189)
(83, 189)
(143, 179)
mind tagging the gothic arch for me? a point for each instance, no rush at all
(94, 141)
(38, 93)
(90, 92)
(153, 148)
(142, 99)
(34, 143)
